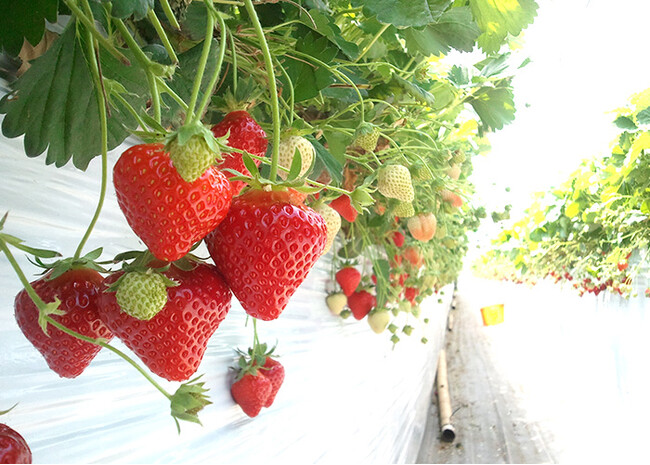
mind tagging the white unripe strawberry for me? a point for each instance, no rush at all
(394, 181)
(288, 146)
(142, 295)
(336, 302)
(332, 221)
(379, 320)
(454, 171)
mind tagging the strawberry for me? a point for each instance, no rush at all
(343, 206)
(173, 342)
(336, 302)
(378, 320)
(288, 146)
(332, 221)
(13, 447)
(142, 295)
(348, 278)
(423, 226)
(413, 256)
(192, 159)
(265, 248)
(245, 134)
(78, 291)
(410, 293)
(360, 303)
(398, 238)
(453, 199)
(251, 392)
(366, 137)
(404, 210)
(454, 171)
(394, 181)
(166, 212)
(274, 371)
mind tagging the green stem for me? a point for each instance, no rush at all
(273, 91)
(217, 69)
(205, 54)
(163, 87)
(155, 97)
(95, 33)
(21, 276)
(291, 92)
(162, 35)
(169, 14)
(233, 52)
(103, 120)
(372, 42)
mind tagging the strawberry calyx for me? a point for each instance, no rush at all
(188, 400)
(252, 361)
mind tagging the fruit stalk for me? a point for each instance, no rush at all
(275, 107)
(205, 54)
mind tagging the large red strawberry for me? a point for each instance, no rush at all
(360, 303)
(251, 392)
(265, 248)
(245, 134)
(78, 290)
(166, 212)
(348, 278)
(173, 342)
(13, 447)
(343, 205)
(274, 371)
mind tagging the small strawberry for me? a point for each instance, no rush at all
(454, 171)
(166, 212)
(13, 447)
(379, 320)
(349, 279)
(251, 392)
(366, 137)
(423, 226)
(191, 159)
(173, 342)
(288, 147)
(453, 199)
(78, 291)
(336, 302)
(343, 206)
(360, 303)
(265, 249)
(398, 238)
(410, 293)
(332, 221)
(394, 181)
(404, 210)
(245, 134)
(413, 256)
(274, 371)
(142, 295)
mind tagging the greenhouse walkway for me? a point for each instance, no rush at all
(538, 388)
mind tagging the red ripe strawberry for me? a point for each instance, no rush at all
(166, 212)
(173, 342)
(78, 290)
(265, 248)
(344, 207)
(13, 447)
(360, 303)
(398, 238)
(274, 371)
(413, 256)
(410, 293)
(348, 278)
(245, 134)
(251, 392)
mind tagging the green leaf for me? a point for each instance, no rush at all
(625, 122)
(454, 29)
(643, 117)
(458, 75)
(498, 18)
(326, 26)
(54, 104)
(404, 13)
(493, 66)
(250, 165)
(124, 8)
(296, 165)
(415, 91)
(332, 165)
(21, 20)
(495, 107)
(308, 79)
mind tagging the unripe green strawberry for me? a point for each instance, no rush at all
(288, 146)
(366, 137)
(404, 210)
(454, 171)
(332, 221)
(420, 172)
(394, 181)
(459, 157)
(192, 159)
(336, 302)
(379, 320)
(141, 295)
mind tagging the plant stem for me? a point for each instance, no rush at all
(233, 52)
(273, 91)
(169, 14)
(205, 54)
(162, 35)
(21, 276)
(163, 87)
(372, 42)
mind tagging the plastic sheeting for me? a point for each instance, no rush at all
(348, 396)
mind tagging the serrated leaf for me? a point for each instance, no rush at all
(458, 75)
(124, 8)
(498, 18)
(495, 107)
(643, 117)
(54, 104)
(326, 26)
(21, 20)
(625, 122)
(415, 91)
(454, 29)
(404, 13)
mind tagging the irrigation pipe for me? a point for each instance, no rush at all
(448, 433)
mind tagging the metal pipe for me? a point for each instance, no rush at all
(448, 433)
